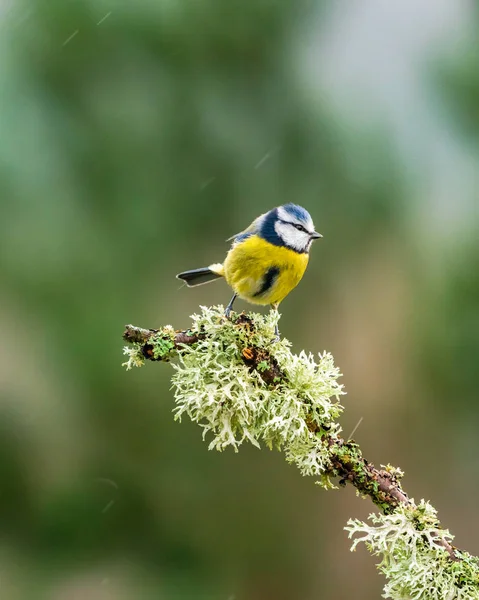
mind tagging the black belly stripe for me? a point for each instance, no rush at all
(268, 281)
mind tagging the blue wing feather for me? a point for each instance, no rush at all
(247, 233)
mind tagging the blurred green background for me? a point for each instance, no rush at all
(135, 137)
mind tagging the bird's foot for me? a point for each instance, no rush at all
(229, 308)
(277, 336)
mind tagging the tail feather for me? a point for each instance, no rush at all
(200, 276)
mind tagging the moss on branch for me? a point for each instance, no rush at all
(163, 344)
(239, 385)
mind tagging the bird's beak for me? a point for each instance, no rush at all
(315, 235)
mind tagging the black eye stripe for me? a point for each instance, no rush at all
(299, 227)
(295, 225)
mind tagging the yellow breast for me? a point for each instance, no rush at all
(263, 273)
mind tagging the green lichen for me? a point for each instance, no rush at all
(160, 346)
(413, 558)
(232, 403)
(162, 343)
(295, 409)
(263, 365)
(135, 356)
(395, 471)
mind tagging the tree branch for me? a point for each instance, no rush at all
(382, 486)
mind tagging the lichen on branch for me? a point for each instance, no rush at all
(239, 385)
(410, 543)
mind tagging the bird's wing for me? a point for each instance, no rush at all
(253, 228)
(233, 237)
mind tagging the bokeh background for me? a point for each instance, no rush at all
(135, 137)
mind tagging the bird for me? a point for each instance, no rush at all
(266, 261)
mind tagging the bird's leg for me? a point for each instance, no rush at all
(277, 337)
(230, 306)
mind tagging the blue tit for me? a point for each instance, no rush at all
(267, 260)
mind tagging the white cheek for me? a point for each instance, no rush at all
(292, 237)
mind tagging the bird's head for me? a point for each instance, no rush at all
(289, 225)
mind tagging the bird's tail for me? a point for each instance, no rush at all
(201, 276)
